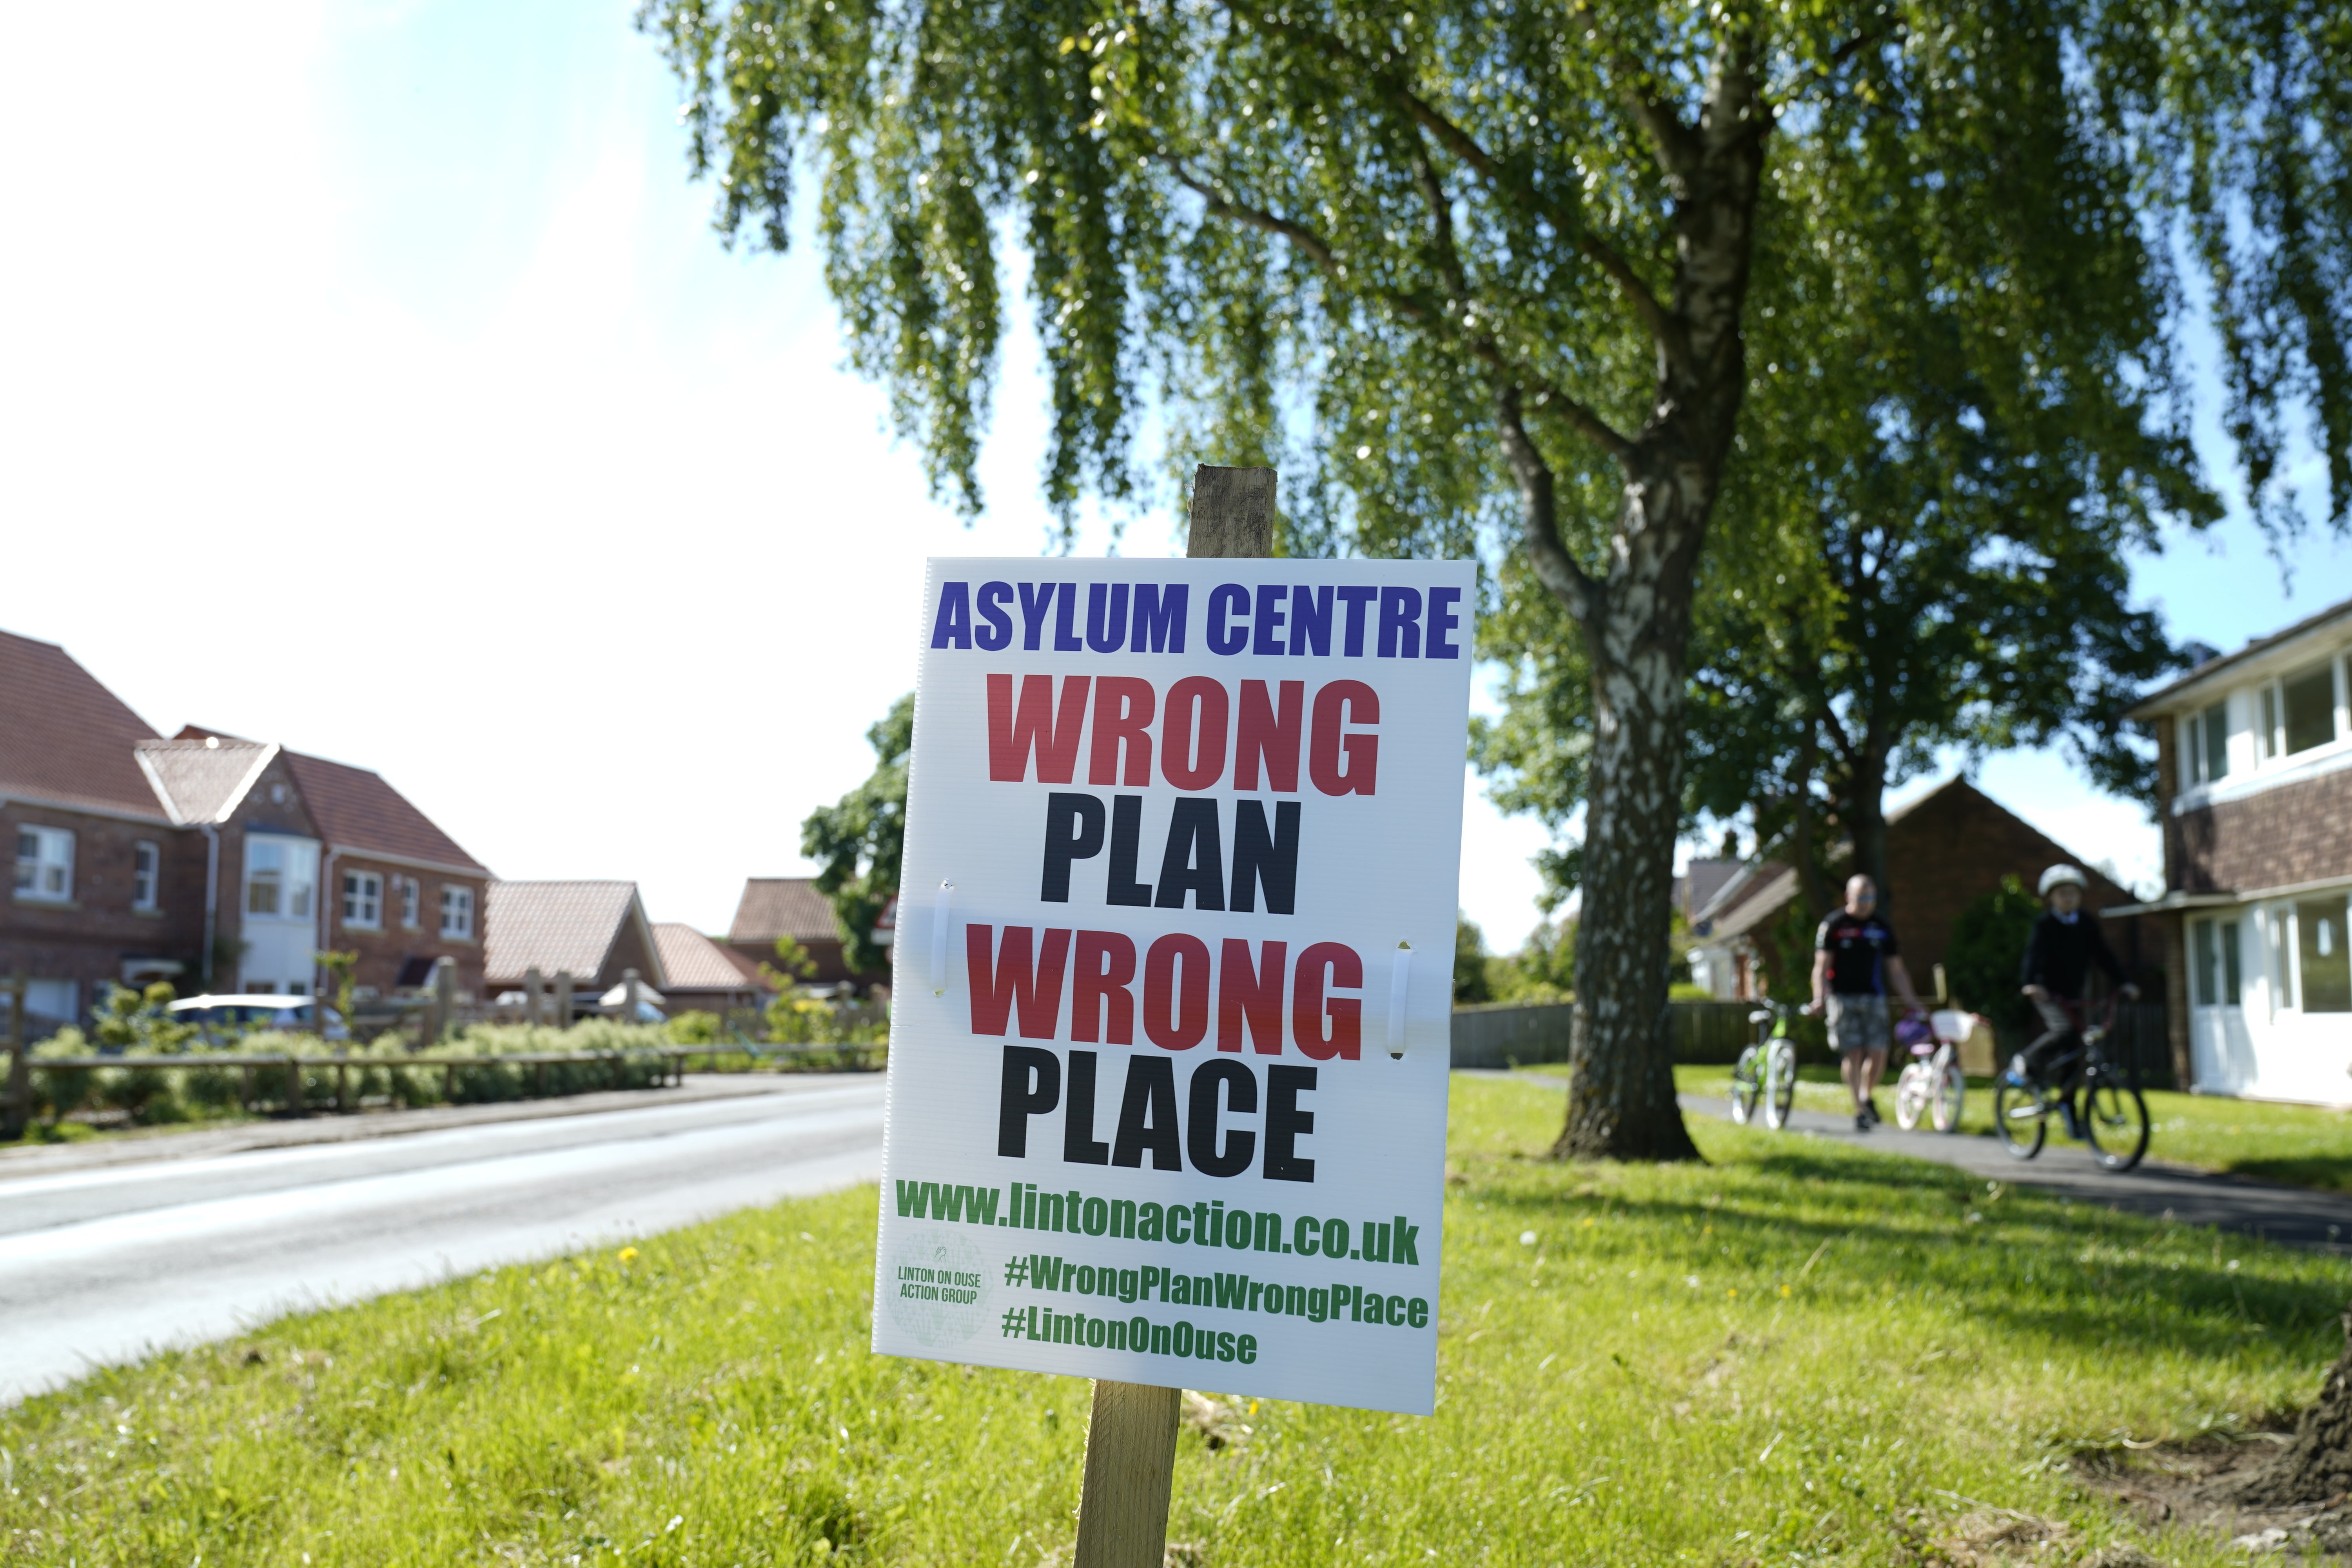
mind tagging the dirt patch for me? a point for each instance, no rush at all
(2198, 1486)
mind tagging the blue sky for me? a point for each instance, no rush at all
(375, 383)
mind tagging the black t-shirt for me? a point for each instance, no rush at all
(1858, 946)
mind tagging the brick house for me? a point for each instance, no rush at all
(593, 931)
(2255, 775)
(704, 977)
(773, 907)
(1944, 851)
(216, 863)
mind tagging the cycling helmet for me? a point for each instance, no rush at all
(2058, 876)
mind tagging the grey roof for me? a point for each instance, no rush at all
(203, 781)
(555, 927)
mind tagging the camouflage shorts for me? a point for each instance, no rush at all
(1859, 1024)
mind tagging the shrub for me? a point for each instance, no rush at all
(1987, 950)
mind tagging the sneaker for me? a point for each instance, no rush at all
(1870, 1108)
(1862, 1123)
(2016, 1077)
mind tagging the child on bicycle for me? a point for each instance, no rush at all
(2064, 944)
(1854, 957)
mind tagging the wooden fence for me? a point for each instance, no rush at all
(1509, 1035)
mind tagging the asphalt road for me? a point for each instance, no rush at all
(100, 1264)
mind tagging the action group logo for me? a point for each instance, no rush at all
(937, 1286)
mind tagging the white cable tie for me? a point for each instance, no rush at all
(942, 908)
(1400, 983)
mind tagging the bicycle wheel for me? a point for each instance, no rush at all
(1780, 1083)
(1910, 1096)
(2115, 1122)
(1744, 1092)
(1945, 1098)
(2021, 1120)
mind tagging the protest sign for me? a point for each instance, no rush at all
(1173, 974)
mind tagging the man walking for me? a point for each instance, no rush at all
(1854, 958)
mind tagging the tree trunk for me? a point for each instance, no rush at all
(2318, 1466)
(1801, 848)
(1869, 824)
(1621, 1098)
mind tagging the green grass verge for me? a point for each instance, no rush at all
(2298, 1145)
(1774, 1358)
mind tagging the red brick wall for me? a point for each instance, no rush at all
(87, 940)
(384, 949)
(1953, 848)
(827, 952)
(2294, 832)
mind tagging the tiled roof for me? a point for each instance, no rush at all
(355, 809)
(201, 781)
(782, 906)
(695, 962)
(555, 926)
(64, 737)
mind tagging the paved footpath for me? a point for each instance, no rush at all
(2296, 1217)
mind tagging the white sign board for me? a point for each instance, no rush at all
(1173, 975)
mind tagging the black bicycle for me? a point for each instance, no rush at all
(2112, 1118)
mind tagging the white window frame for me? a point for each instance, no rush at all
(411, 903)
(456, 913)
(2268, 718)
(147, 878)
(2197, 744)
(297, 875)
(363, 900)
(46, 876)
(2279, 939)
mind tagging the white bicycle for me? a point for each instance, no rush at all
(1932, 1084)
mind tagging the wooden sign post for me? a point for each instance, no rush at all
(1132, 1432)
(1167, 1094)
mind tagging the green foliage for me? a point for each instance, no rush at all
(1470, 963)
(697, 1027)
(1543, 969)
(340, 967)
(1988, 951)
(792, 964)
(1687, 1332)
(149, 1091)
(1226, 213)
(859, 841)
(125, 1019)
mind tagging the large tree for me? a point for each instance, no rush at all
(1474, 272)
